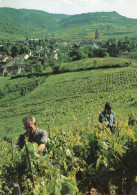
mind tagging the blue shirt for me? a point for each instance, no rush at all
(105, 118)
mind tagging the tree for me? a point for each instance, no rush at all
(89, 51)
(56, 69)
(113, 50)
(39, 68)
(100, 53)
(78, 55)
(15, 50)
(5, 49)
(24, 49)
(32, 70)
(126, 47)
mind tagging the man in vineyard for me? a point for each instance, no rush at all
(34, 134)
(108, 116)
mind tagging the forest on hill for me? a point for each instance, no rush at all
(21, 24)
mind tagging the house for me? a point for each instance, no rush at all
(36, 54)
(54, 55)
(34, 39)
(10, 62)
(30, 53)
(19, 42)
(9, 70)
(24, 56)
(3, 57)
(62, 43)
(22, 65)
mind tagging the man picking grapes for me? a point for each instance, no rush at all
(33, 133)
(108, 116)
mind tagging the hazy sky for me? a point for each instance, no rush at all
(126, 8)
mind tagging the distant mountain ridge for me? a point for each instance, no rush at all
(98, 17)
(35, 23)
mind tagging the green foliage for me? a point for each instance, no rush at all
(2, 93)
(22, 88)
(38, 68)
(56, 69)
(24, 49)
(15, 50)
(5, 90)
(77, 55)
(88, 157)
(89, 63)
(23, 91)
(32, 70)
(113, 50)
(47, 178)
(95, 63)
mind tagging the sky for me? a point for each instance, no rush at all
(126, 8)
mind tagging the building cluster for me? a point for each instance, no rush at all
(40, 53)
(9, 65)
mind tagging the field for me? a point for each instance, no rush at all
(55, 99)
(68, 105)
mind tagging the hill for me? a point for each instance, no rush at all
(27, 22)
(109, 24)
(98, 17)
(61, 99)
(22, 23)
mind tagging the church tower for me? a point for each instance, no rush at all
(96, 34)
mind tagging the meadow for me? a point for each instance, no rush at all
(67, 105)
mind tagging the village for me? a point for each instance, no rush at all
(35, 55)
(19, 62)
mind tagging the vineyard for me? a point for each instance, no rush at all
(83, 155)
(78, 160)
(67, 95)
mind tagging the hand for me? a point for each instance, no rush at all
(41, 147)
(115, 122)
